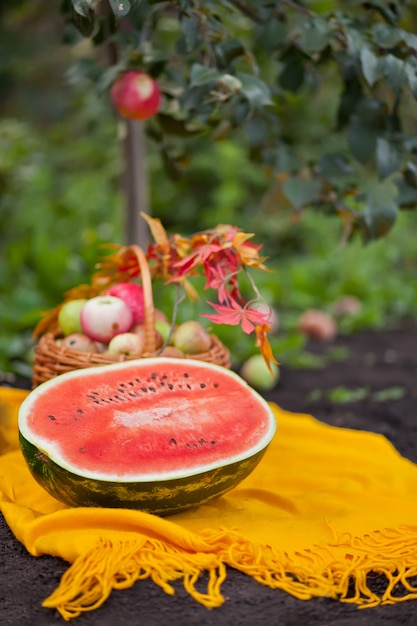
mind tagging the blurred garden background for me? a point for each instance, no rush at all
(313, 150)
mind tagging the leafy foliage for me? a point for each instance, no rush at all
(263, 72)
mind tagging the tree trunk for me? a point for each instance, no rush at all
(135, 184)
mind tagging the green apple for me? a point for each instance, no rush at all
(255, 371)
(69, 316)
(191, 338)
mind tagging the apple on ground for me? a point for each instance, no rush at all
(255, 371)
(103, 317)
(318, 325)
(135, 95)
(347, 305)
(69, 316)
(130, 344)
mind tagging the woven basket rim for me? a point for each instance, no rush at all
(52, 359)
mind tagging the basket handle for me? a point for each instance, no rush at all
(149, 310)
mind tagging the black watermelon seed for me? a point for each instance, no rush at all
(201, 441)
(202, 385)
(170, 386)
(52, 417)
(186, 375)
(143, 389)
(213, 443)
(152, 388)
(216, 385)
(189, 386)
(79, 411)
(174, 441)
(154, 375)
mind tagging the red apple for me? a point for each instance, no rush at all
(103, 317)
(317, 325)
(135, 95)
(132, 294)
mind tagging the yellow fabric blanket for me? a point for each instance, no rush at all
(325, 507)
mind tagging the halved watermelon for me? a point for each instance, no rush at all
(158, 434)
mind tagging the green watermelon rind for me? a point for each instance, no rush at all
(162, 494)
(159, 497)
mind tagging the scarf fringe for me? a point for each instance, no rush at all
(338, 570)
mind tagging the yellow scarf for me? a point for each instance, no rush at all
(325, 507)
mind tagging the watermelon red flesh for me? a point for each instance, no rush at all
(146, 419)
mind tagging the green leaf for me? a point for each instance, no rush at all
(380, 208)
(255, 90)
(228, 51)
(388, 10)
(388, 395)
(386, 36)
(82, 7)
(335, 166)
(411, 74)
(84, 24)
(361, 139)
(173, 126)
(315, 36)
(120, 8)
(372, 66)
(355, 40)
(272, 34)
(301, 192)
(410, 173)
(343, 395)
(410, 39)
(395, 72)
(292, 76)
(407, 194)
(191, 32)
(388, 157)
(201, 75)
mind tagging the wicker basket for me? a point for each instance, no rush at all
(51, 359)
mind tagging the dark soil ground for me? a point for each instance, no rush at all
(376, 362)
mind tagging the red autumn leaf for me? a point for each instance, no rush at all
(235, 315)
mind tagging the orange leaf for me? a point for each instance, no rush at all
(262, 342)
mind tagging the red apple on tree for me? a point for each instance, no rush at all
(135, 95)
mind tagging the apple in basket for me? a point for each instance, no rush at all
(130, 344)
(132, 294)
(79, 342)
(191, 337)
(103, 317)
(69, 316)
